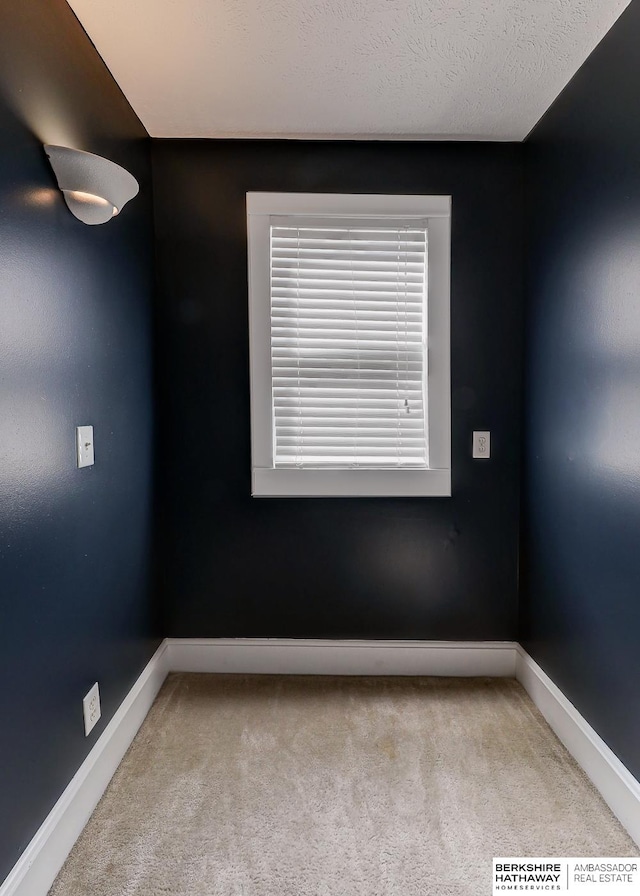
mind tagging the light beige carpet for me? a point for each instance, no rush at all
(309, 786)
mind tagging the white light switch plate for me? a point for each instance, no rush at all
(84, 443)
(482, 444)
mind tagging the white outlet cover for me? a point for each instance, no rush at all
(84, 445)
(91, 709)
(482, 444)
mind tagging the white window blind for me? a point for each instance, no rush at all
(348, 345)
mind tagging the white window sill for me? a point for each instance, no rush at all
(305, 483)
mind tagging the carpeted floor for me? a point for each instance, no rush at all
(314, 786)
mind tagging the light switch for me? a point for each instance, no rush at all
(482, 444)
(84, 442)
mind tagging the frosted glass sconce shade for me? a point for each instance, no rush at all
(94, 188)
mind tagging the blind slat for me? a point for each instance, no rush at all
(349, 294)
(338, 353)
(341, 416)
(343, 393)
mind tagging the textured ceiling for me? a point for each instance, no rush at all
(465, 69)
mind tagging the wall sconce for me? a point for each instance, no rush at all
(94, 188)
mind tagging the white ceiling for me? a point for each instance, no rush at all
(425, 69)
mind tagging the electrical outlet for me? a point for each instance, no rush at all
(482, 444)
(91, 709)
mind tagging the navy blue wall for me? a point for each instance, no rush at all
(345, 568)
(75, 332)
(581, 558)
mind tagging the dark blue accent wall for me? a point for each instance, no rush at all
(75, 305)
(239, 566)
(580, 614)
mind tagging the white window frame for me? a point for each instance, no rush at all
(266, 480)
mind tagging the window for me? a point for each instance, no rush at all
(349, 344)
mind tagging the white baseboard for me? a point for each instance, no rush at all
(37, 867)
(619, 789)
(312, 657)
